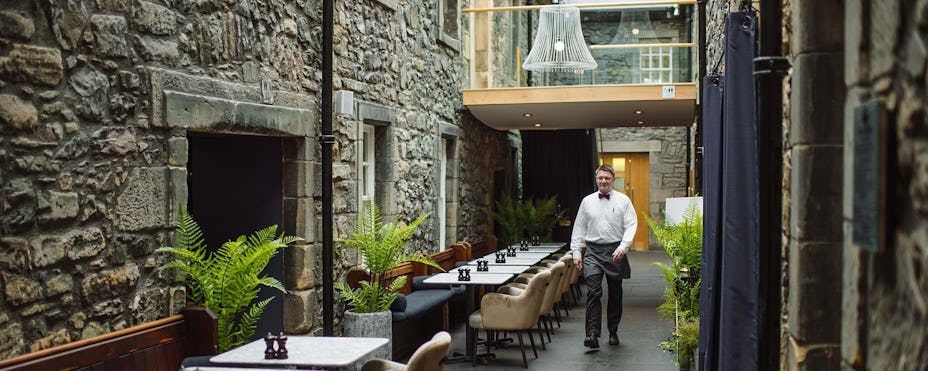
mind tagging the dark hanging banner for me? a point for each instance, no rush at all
(562, 163)
(738, 288)
(712, 93)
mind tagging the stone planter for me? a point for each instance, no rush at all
(371, 325)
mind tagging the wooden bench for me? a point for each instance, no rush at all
(157, 345)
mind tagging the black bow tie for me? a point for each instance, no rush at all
(604, 195)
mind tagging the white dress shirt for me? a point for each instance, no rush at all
(601, 220)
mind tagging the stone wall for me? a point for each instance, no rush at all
(97, 97)
(667, 167)
(885, 294)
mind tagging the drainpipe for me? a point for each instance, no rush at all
(327, 140)
(769, 69)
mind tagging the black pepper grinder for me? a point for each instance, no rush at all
(269, 352)
(281, 346)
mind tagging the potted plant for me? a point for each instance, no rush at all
(683, 243)
(380, 247)
(227, 280)
(527, 218)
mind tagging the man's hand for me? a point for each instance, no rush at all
(578, 262)
(618, 255)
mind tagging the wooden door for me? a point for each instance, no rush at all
(631, 178)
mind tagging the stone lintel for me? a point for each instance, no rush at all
(192, 111)
(376, 114)
(450, 131)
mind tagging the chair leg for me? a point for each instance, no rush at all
(548, 327)
(473, 362)
(522, 348)
(531, 339)
(541, 335)
(557, 315)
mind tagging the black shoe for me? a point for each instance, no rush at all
(591, 342)
(613, 339)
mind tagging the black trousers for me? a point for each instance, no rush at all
(593, 275)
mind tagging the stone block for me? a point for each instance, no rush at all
(14, 252)
(373, 113)
(815, 271)
(179, 193)
(32, 64)
(17, 113)
(300, 149)
(196, 111)
(298, 178)
(815, 193)
(58, 284)
(300, 262)
(813, 33)
(884, 26)
(299, 307)
(12, 340)
(300, 218)
(54, 205)
(817, 99)
(21, 290)
(155, 49)
(155, 19)
(15, 26)
(143, 201)
(109, 283)
(915, 55)
(149, 305)
(276, 118)
(178, 148)
(109, 35)
(84, 243)
(59, 337)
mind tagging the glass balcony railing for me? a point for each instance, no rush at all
(632, 43)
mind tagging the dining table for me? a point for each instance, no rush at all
(304, 351)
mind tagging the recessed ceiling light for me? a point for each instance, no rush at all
(638, 111)
(640, 122)
(537, 124)
(526, 115)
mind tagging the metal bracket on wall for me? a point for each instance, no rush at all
(327, 139)
(771, 66)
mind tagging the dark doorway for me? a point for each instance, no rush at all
(236, 187)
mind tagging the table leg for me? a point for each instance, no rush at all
(470, 333)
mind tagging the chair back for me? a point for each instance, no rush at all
(564, 281)
(547, 304)
(429, 355)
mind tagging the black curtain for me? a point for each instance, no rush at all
(559, 163)
(712, 88)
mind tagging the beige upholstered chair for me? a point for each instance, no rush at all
(517, 313)
(427, 358)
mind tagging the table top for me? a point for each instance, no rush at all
(475, 279)
(514, 261)
(556, 245)
(514, 269)
(519, 254)
(316, 351)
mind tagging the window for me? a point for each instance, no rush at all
(366, 165)
(656, 65)
(449, 30)
(443, 194)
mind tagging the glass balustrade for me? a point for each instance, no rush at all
(653, 43)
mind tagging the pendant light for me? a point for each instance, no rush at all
(559, 44)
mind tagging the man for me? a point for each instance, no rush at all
(606, 224)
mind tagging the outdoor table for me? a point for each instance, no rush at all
(469, 304)
(511, 269)
(539, 249)
(512, 261)
(519, 255)
(305, 351)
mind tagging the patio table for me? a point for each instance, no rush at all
(511, 269)
(305, 351)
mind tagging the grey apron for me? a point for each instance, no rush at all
(601, 255)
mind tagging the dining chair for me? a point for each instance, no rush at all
(428, 357)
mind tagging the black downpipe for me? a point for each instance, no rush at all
(769, 68)
(327, 140)
(701, 55)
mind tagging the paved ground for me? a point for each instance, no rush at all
(640, 331)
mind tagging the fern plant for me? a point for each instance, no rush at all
(511, 218)
(226, 281)
(381, 247)
(683, 244)
(526, 218)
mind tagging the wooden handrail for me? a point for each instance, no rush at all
(97, 339)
